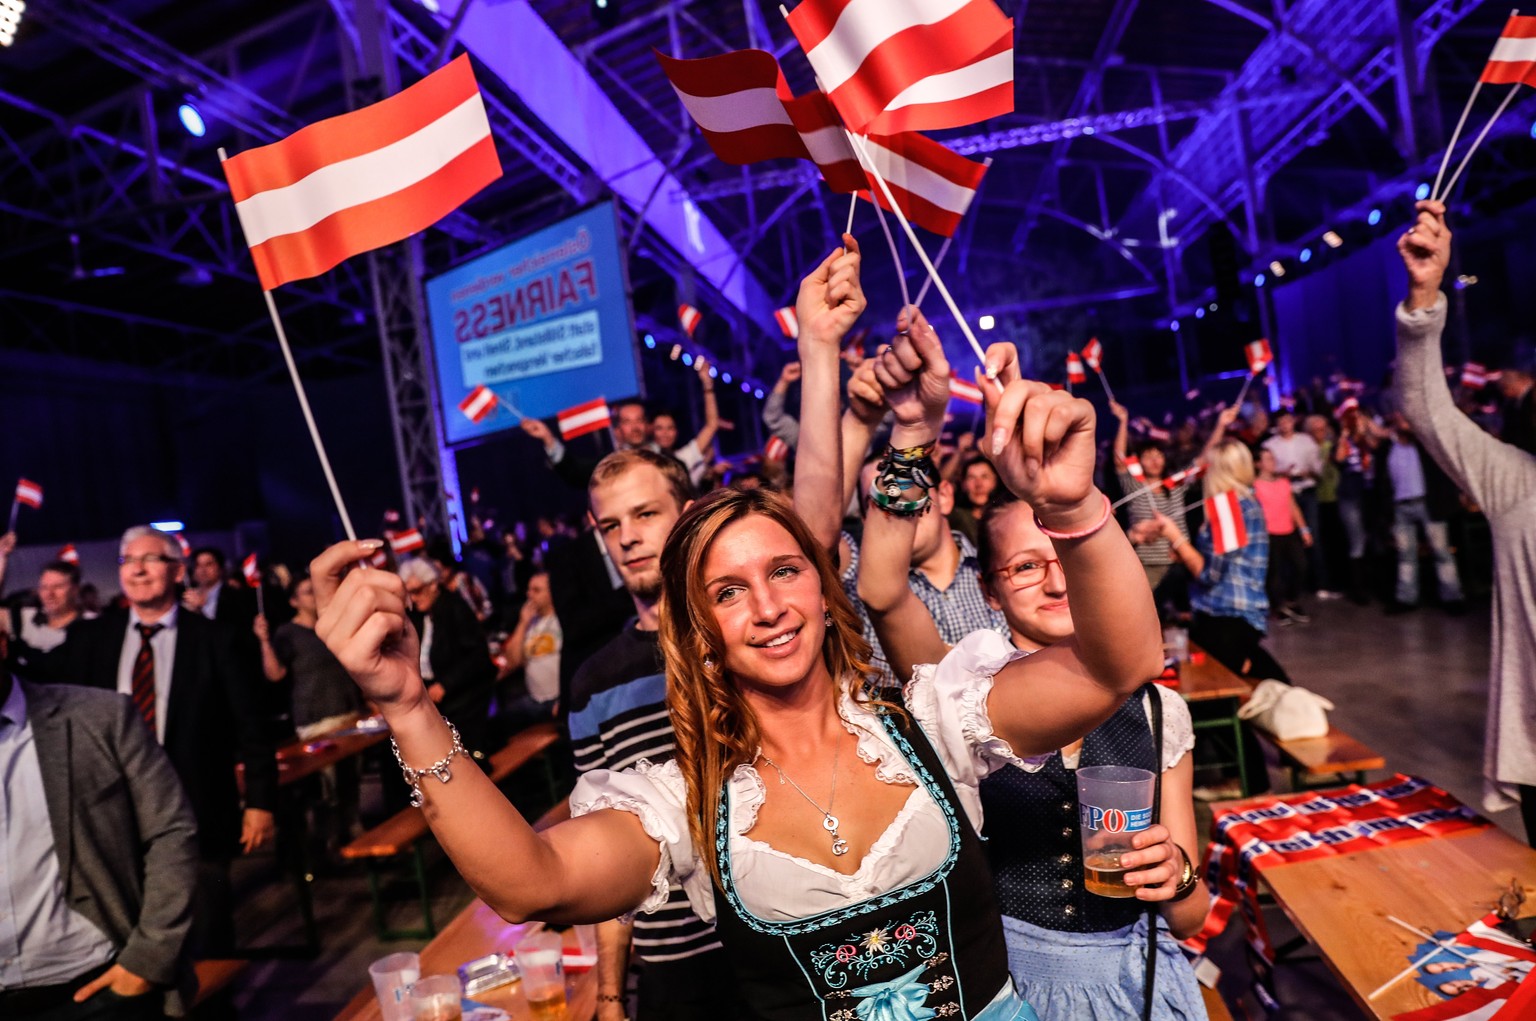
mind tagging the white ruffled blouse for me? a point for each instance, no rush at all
(948, 700)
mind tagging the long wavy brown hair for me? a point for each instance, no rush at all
(715, 726)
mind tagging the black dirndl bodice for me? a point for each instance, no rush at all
(933, 949)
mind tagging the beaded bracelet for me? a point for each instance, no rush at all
(438, 769)
(1084, 533)
(901, 470)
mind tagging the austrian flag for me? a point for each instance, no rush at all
(776, 451)
(251, 571)
(1514, 56)
(353, 183)
(1259, 356)
(1075, 373)
(1224, 512)
(789, 322)
(1134, 469)
(408, 541)
(690, 317)
(29, 493)
(964, 390)
(68, 554)
(585, 418)
(1093, 354)
(481, 403)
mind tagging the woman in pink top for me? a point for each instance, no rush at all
(1289, 538)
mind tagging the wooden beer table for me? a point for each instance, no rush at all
(475, 933)
(1340, 905)
(1209, 681)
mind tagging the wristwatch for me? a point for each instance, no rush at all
(1188, 879)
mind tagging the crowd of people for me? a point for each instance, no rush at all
(826, 711)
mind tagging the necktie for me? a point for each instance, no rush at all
(144, 673)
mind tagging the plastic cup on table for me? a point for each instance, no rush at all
(393, 977)
(1114, 804)
(586, 940)
(1176, 643)
(539, 958)
(437, 998)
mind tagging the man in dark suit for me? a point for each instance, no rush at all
(211, 595)
(456, 660)
(97, 859)
(200, 697)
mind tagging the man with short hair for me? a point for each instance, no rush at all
(199, 696)
(98, 850)
(534, 648)
(211, 595)
(618, 716)
(631, 431)
(44, 629)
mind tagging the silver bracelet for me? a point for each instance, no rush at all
(438, 769)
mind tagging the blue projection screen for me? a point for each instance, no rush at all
(544, 322)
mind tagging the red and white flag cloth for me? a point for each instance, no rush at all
(378, 558)
(1159, 434)
(406, 541)
(182, 544)
(1259, 356)
(690, 318)
(775, 451)
(68, 554)
(585, 418)
(29, 493)
(353, 183)
(481, 403)
(1134, 469)
(788, 321)
(1514, 56)
(964, 390)
(746, 112)
(909, 65)
(1224, 511)
(251, 571)
(1347, 405)
(1475, 376)
(1178, 478)
(932, 184)
(1093, 354)
(1075, 373)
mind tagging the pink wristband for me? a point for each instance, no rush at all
(1085, 533)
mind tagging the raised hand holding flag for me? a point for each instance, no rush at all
(481, 404)
(250, 570)
(1093, 355)
(29, 493)
(1512, 63)
(789, 322)
(1224, 512)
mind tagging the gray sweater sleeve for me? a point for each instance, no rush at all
(1495, 474)
(779, 421)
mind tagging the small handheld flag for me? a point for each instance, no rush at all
(962, 390)
(1189, 474)
(182, 544)
(593, 416)
(29, 493)
(68, 554)
(1134, 469)
(250, 570)
(690, 318)
(1224, 512)
(1259, 356)
(407, 541)
(788, 322)
(776, 451)
(481, 403)
(1093, 354)
(1075, 372)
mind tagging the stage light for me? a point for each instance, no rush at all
(1277, 269)
(190, 119)
(606, 12)
(1174, 326)
(1332, 239)
(726, 377)
(1423, 192)
(714, 373)
(986, 322)
(677, 352)
(10, 20)
(1306, 255)
(1199, 313)
(746, 387)
(167, 526)
(758, 394)
(1374, 218)
(687, 359)
(650, 341)
(1212, 306)
(1259, 280)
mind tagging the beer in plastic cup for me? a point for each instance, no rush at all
(393, 977)
(1114, 803)
(539, 959)
(586, 939)
(437, 998)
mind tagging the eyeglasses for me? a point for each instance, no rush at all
(146, 559)
(1024, 574)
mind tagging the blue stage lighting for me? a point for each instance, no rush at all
(746, 388)
(758, 394)
(1174, 326)
(167, 526)
(726, 377)
(1259, 279)
(1200, 313)
(1422, 193)
(192, 120)
(1306, 255)
(650, 341)
(1374, 218)
(714, 373)
(687, 359)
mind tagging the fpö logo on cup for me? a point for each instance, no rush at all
(1115, 820)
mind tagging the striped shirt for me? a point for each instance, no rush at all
(1157, 500)
(618, 717)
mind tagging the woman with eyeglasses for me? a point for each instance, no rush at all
(830, 838)
(1072, 953)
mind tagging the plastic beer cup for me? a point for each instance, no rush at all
(1114, 804)
(438, 998)
(393, 977)
(539, 958)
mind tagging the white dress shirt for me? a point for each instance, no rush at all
(211, 600)
(164, 645)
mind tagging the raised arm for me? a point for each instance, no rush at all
(706, 435)
(1224, 422)
(861, 420)
(1495, 474)
(1041, 441)
(830, 302)
(914, 375)
(1122, 431)
(778, 420)
(587, 870)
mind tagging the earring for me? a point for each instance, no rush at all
(709, 662)
(829, 618)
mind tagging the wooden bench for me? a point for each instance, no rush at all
(214, 977)
(1315, 761)
(403, 832)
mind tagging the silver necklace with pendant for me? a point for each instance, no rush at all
(828, 820)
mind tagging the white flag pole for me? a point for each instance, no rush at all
(901, 270)
(853, 207)
(309, 417)
(15, 508)
(1445, 160)
(1145, 490)
(938, 260)
(949, 300)
(1479, 140)
(1104, 380)
(1244, 391)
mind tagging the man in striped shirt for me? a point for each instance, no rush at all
(618, 717)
